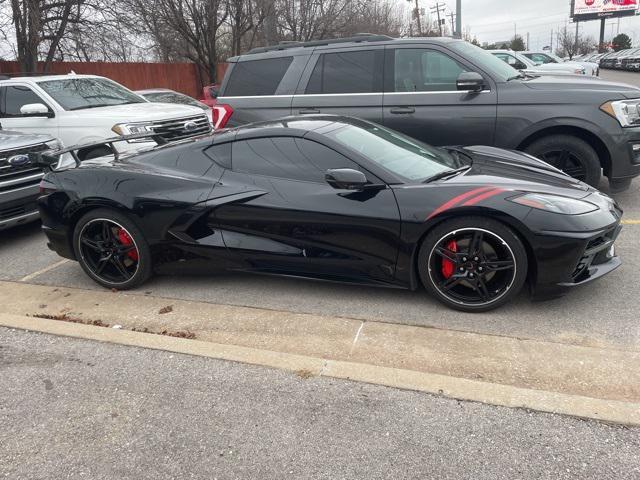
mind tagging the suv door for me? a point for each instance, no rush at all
(302, 225)
(15, 96)
(342, 82)
(421, 97)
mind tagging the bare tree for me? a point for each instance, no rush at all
(40, 25)
(570, 46)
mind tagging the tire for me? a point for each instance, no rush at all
(96, 152)
(571, 155)
(487, 281)
(128, 261)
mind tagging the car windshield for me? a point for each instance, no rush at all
(173, 97)
(405, 157)
(81, 93)
(485, 60)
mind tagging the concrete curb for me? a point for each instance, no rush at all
(619, 412)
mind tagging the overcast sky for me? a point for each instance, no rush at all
(493, 20)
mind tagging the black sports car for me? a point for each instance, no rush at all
(334, 198)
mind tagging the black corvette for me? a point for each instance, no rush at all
(338, 199)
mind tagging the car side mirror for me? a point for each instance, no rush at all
(35, 110)
(345, 178)
(470, 81)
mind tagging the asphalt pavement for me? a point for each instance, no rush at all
(79, 409)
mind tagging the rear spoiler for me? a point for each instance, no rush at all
(49, 158)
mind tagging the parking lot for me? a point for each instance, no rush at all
(603, 313)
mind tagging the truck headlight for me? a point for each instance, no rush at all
(133, 129)
(627, 112)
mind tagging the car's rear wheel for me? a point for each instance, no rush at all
(572, 155)
(473, 264)
(112, 250)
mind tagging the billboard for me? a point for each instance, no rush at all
(594, 9)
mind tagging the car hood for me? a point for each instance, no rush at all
(583, 83)
(136, 112)
(10, 140)
(517, 171)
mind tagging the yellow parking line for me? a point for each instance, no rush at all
(630, 222)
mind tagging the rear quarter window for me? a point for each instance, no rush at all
(257, 77)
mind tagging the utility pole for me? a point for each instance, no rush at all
(528, 41)
(603, 24)
(453, 28)
(416, 15)
(458, 33)
(551, 42)
(439, 7)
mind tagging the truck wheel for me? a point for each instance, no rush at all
(573, 156)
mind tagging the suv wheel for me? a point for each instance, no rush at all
(570, 154)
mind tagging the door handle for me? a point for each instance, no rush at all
(403, 110)
(306, 111)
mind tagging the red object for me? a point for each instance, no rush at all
(221, 115)
(482, 196)
(447, 265)
(455, 200)
(126, 240)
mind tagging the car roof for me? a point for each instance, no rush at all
(356, 41)
(41, 78)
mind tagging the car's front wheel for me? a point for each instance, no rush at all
(572, 155)
(112, 250)
(473, 264)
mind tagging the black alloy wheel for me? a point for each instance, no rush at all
(111, 250)
(567, 162)
(473, 266)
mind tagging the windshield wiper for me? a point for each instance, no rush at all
(95, 105)
(516, 77)
(447, 174)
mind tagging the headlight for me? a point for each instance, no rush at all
(554, 203)
(625, 111)
(580, 71)
(133, 129)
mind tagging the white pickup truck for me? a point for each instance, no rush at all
(86, 108)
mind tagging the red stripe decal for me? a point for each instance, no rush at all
(455, 200)
(484, 196)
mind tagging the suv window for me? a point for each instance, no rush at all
(347, 72)
(257, 77)
(287, 157)
(14, 97)
(423, 70)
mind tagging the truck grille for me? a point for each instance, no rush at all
(15, 176)
(180, 128)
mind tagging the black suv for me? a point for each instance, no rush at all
(19, 178)
(444, 92)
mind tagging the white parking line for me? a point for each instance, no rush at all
(33, 275)
(355, 339)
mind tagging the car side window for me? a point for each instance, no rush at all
(257, 77)
(287, 157)
(347, 72)
(424, 70)
(14, 97)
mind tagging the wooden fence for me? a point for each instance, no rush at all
(181, 77)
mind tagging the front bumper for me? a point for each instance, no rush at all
(18, 206)
(625, 154)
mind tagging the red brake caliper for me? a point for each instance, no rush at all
(447, 265)
(126, 240)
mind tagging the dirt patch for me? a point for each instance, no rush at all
(64, 317)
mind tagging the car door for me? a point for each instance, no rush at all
(342, 82)
(421, 97)
(15, 96)
(291, 221)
